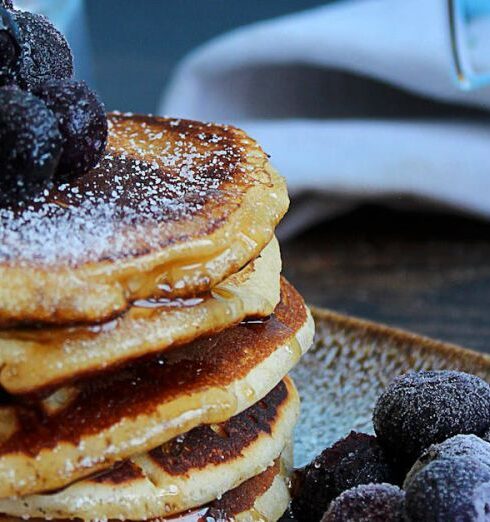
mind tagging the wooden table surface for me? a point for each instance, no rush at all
(428, 273)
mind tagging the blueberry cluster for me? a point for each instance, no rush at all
(429, 460)
(50, 124)
(356, 459)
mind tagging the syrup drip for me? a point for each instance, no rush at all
(48, 357)
(162, 302)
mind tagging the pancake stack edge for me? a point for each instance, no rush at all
(152, 384)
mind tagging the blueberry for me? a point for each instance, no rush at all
(452, 489)
(7, 4)
(368, 503)
(457, 446)
(9, 47)
(44, 51)
(82, 121)
(30, 144)
(354, 460)
(423, 408)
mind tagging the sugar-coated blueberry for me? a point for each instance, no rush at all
(453, 489)
(457, 446)
(423, 408)
(30, 144)
(368, 503)
(44, 51)
(82, 121)
(9, 46)
(356, 459)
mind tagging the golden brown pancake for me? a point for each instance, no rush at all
(264, 498)
(184, 473)
(104, 419)
(174, 208)
(34, 358)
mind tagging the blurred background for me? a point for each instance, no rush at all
(376, 111)
(127, 49)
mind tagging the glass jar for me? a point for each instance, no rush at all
(470, 40)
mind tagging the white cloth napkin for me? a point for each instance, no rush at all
(348, 135)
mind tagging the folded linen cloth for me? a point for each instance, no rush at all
(354, 99)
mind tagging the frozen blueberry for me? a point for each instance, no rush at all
(423, 408)
(82, 121)
(368, 503)
(30, 144)
(9, 47)
(7, 4)
(457, 446)
(452, 489)
(356, 459)
(44, 51)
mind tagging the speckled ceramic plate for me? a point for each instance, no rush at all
(351, 362)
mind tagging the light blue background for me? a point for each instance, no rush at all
(136, 43)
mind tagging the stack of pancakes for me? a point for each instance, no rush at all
(146, 334)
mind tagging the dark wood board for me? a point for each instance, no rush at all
(428, 273)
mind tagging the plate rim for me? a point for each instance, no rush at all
(399, 336)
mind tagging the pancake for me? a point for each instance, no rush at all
(49, 443)
(184, 473)
(31, 359)
(264, 498)
(174, 207)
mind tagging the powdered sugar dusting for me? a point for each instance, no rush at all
(156, 174)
